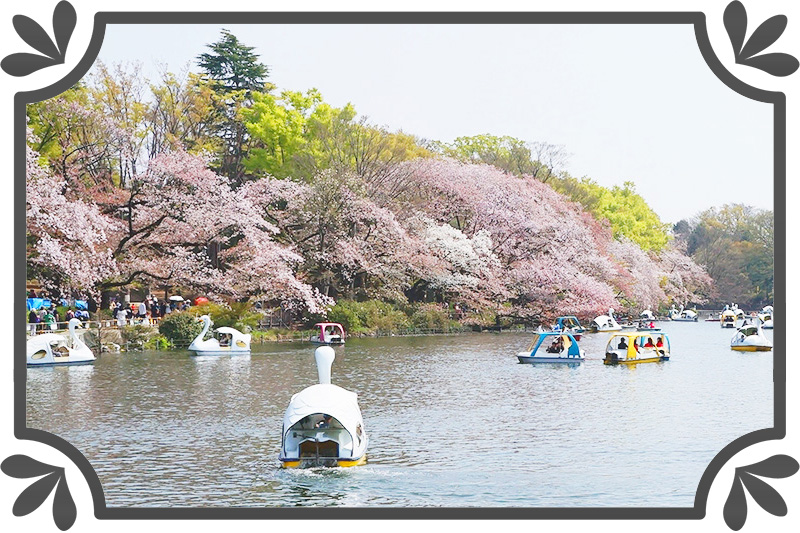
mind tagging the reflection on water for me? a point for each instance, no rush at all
(452, 420)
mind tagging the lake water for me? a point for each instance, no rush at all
(453, 421)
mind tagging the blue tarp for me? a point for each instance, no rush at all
(81, 304)
(37, 303)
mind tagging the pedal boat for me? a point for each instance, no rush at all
(233, 340)
(750, 338)
(329, 333)
(606, 323)
(552, 347)
(765, 316)
(634, 350)
(727, 319)
(569, 324)
(50, 349)
(322, 426)
(682, 315)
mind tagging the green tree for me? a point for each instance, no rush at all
(235, 74)
(626, 211)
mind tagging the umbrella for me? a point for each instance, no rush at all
(176, 298)
(200, 300)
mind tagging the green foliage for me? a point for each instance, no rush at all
(232, 65)
(346, 313)
(626, 211)
(736, 245)
(515, 156)
(369, 316)
(179, 327)
(432, 316)
(157, 342)
(237, 315)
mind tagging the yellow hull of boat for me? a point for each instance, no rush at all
(341, 463)
(633, 361)
(751, 348)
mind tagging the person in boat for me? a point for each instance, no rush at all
(225, 339)
(557, 345)
(652, 325)
(649, 343)
(623, 345)
(325, 422)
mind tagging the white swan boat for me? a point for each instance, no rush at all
(51, 349)
(682, 315)
(750, 338)
(727, 318)
(606, 322)
(231, 341)
(765, 316)
(323, 425)
(647, 315)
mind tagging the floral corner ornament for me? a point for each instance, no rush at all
(51, 477)
(777, 64)
(31, 32)
(777, 466)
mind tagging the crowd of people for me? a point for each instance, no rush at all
(147, 312)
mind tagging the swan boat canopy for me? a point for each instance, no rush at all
(328, 333)
(606, 322)
(569, 324)
(750, 338)
(647, 315)
(682, 315)
(634, 348)
(765, 316)
(552, 347)
(323, 425)
(231, 341)
(51, 349)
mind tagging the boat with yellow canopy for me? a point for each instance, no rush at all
(634, 348)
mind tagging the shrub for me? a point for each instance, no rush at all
(236, 315)
(157, 342)
(179, 327)
(137, 334)
(345, 312)
(432, 316)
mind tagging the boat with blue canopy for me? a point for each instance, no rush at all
(569, 324)
(552, 347)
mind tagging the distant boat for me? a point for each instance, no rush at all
(647, 315)
(765, 316)
(569, 324)
(682, 315)
(635, 348)
(231, 341)
(322, 425)
(728, 317)
(328, 333)
(750, 338)
(552, 347)
(606, 322)
(49, 349)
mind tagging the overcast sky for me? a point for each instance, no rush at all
(628, 102)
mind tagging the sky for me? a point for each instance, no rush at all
(628, 102)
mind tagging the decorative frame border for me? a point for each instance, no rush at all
(777, 466)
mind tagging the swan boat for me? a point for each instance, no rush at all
(552, 347)
(765, 316)
(329, 333)
(634, 348)
(750, 338)
(647, 316)
(727, 318)
(231, 341)
(50, 349)
(606, 322)
(682, 315)
(322, 425)
(569, 324)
